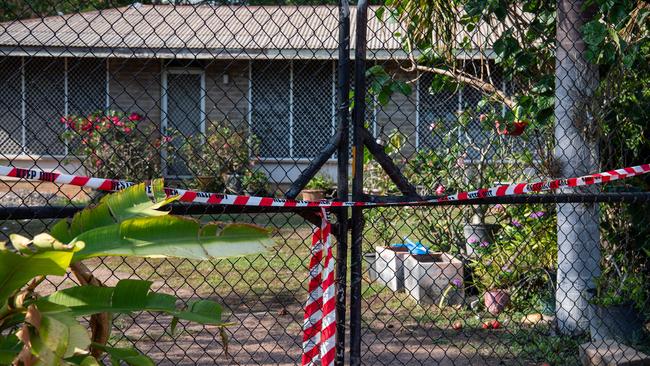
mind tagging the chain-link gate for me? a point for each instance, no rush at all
(384, 103)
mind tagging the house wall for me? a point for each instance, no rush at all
(227, 100)
(135, 85)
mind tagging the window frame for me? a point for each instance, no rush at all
(291, 158)
(66, 105)
(164, 108)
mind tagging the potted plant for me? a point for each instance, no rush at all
(494, 272)
(221, 159)
(618, 299)
(255, 183)
(498, 296)
(317, 187)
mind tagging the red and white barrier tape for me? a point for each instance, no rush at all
(319, 327)
(190, 196)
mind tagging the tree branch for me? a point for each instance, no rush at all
(474, 82)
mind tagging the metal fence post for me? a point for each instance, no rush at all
(343, 89)
(357, 182)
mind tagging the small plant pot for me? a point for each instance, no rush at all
(620, 322)
(370, 259)
(476, 234)
(496, 301)
(313, 194)
(390, 266)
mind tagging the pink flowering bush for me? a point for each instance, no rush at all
(113, 144)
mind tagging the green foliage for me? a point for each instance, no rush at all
(383, 86)
(524, 250)
(320, 182)
(124, 223)
(129, 296)
(256, 183)
(225, 151)
(17, 268)
(625, 259)
(617, 39)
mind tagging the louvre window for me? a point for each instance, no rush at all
(38, 96)
(292, 107)
(11, 114)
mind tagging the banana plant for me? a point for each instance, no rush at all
(127, 223)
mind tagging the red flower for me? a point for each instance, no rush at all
(127, 129)
(516, 129)
(87, 125)
(440, 190)
(520, 126)
(134, 117)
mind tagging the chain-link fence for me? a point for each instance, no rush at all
(387, 103)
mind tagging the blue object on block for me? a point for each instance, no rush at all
(413, 248)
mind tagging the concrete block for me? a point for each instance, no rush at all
(390, 266)
(428, 276)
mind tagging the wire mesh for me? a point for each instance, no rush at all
(242, 98)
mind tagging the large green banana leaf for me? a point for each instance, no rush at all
(126, 297)
(130, 223)
(46, 256)
(172, 236)
(9, 347)
(114, 208)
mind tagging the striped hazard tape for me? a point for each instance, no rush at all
(319, 327)
(190, 196)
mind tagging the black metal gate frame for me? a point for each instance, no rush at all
(347, 221)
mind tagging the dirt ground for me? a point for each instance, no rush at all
(270, 334)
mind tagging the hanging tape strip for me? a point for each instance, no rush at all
(190, 196)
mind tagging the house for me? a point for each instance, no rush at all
(271, 68)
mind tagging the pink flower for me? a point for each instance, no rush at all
(64, 120)
(483, 117)
(460, 162)
(134, 117)
(440, 190)
(167, 138)
(127, 129)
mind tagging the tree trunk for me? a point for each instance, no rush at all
(576, 151)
